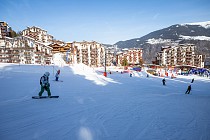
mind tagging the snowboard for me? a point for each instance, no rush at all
(43, 97)
(58, 81)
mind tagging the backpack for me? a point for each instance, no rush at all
(40, 81)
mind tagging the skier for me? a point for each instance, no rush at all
(130, 74)
(57, 75)
(45, 85)
(164, 81)
(192, 80)
(147, 75)
(188, 90)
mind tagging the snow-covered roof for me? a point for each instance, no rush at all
(125, 49)
(119, 52)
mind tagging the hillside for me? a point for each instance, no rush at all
(196, 33)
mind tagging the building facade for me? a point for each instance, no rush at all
(32, 47)
(25, 50)
(89, 53)
(4, 29)
(36, 46)
(133, 56)
(182, 54)
(38, 34)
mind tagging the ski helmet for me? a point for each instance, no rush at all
(47, 74)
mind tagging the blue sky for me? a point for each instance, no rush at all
(104, 21)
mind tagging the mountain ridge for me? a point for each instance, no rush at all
(194, 33)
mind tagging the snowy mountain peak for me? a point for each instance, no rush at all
(193, 33)
(205, 24)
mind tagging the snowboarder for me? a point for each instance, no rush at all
(192, 80)
(57, 75)
(45, 85)
(164, 81)
(188, 90)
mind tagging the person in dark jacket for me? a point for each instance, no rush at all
(188, 90)
(45, 85)
(192, 80)
(164, 81)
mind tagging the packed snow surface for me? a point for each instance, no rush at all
(94, 107)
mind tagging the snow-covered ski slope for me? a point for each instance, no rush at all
(93, 107)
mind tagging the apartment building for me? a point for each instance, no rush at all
(24, 50)
(30, 48)
(132, 55)
(43, 53)
(89, 53)
(38, 34)
(36, 46)
(4, 29)
(181, 54)
(110, 57)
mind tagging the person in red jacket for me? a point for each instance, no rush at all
(57, 75)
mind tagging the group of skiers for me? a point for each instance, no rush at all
(45, 85)
(164, 83)
(44, 82)
(188, 88)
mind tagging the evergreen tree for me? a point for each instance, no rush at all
(125, 62)
(141, 62)
(13, 34)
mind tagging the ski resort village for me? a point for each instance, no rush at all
(87, 90)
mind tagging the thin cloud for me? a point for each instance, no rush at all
(155, 16)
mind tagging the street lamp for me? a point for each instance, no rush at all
(105, 73)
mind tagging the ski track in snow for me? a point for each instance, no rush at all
(93, 107)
